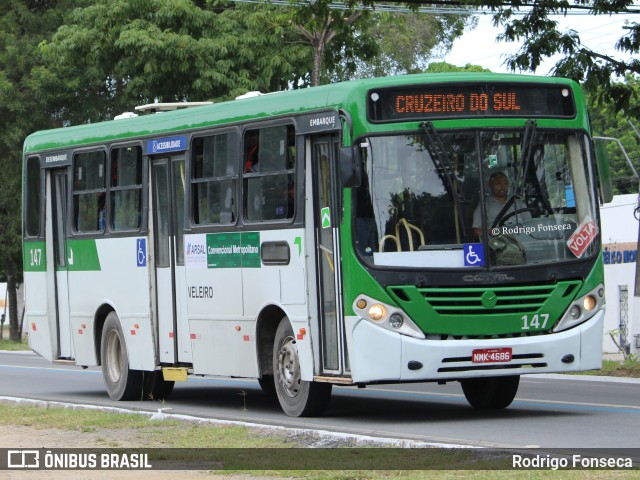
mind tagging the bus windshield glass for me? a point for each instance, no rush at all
(480, 198)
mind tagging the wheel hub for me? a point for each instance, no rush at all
(289, 367)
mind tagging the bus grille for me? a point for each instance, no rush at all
(486, 311)
(505, 300)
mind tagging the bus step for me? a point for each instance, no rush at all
(63, 361)
(340, 380)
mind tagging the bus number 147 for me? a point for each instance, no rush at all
(36, 256)
(538, 322)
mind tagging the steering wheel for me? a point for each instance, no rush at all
(500, 222)
(545, 204)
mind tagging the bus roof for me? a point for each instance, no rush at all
(254, 108)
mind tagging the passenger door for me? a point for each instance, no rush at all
(168, 177)
(57, 267)
(334, 359)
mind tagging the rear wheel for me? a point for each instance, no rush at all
(298, 398)
(490, 392)
(122, 383)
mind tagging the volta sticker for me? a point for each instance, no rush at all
(583, 237)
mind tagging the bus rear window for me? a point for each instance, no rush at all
(32, 188)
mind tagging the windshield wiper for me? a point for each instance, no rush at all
(526, 154)
(441, 159)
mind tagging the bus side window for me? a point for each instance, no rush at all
(89, 190)
(126, 188)
(213, 179)
(269, 180)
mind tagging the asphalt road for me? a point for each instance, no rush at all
(550, 411)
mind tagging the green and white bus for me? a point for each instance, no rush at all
(339, 235)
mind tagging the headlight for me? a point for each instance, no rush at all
(582, 309)
(377, 312)
(386, 316)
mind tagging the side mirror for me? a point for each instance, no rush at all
(602, 162)
(350, 166)
(604, 173)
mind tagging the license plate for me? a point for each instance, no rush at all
(491, 355)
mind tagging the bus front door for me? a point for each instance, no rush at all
(57, 263)
(168, 178)
(334, 359)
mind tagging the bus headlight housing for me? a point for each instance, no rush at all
(386, 316)
(582, 309)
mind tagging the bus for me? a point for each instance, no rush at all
(420, 228)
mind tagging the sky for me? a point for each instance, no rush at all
(479, 46)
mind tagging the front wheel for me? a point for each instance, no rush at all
(298, 398)
(490, 392)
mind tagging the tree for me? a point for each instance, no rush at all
(366, 42)
(319, 25)
(23, 108)
(540, 37)
(444, 67)
(407, 41)
(124, 53)
(608, 121)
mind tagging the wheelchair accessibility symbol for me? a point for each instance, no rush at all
(473, 255)
(142, 252)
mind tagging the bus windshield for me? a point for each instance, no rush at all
(517, 197)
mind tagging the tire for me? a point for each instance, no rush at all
(490, 392)
(267, 385)
(155, 387)
(122, 383)
(298, 398)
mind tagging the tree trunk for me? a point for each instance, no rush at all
(14, 321)
(318, 56)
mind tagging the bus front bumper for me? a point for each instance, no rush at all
(378, 355)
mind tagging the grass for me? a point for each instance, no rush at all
(6, 344)
(13, 346)
(613, 368)
(99, 429)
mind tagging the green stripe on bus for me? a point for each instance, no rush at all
(34, 258)
(82, 255)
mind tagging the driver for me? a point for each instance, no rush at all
(499, 188)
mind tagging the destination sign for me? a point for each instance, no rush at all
(470, 101)
(56, 159)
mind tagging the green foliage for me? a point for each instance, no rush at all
(128, 53)
(406, 42)
(361, 41)
(609, 121)
(444, 67)
(24, 107)
(529, 23)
